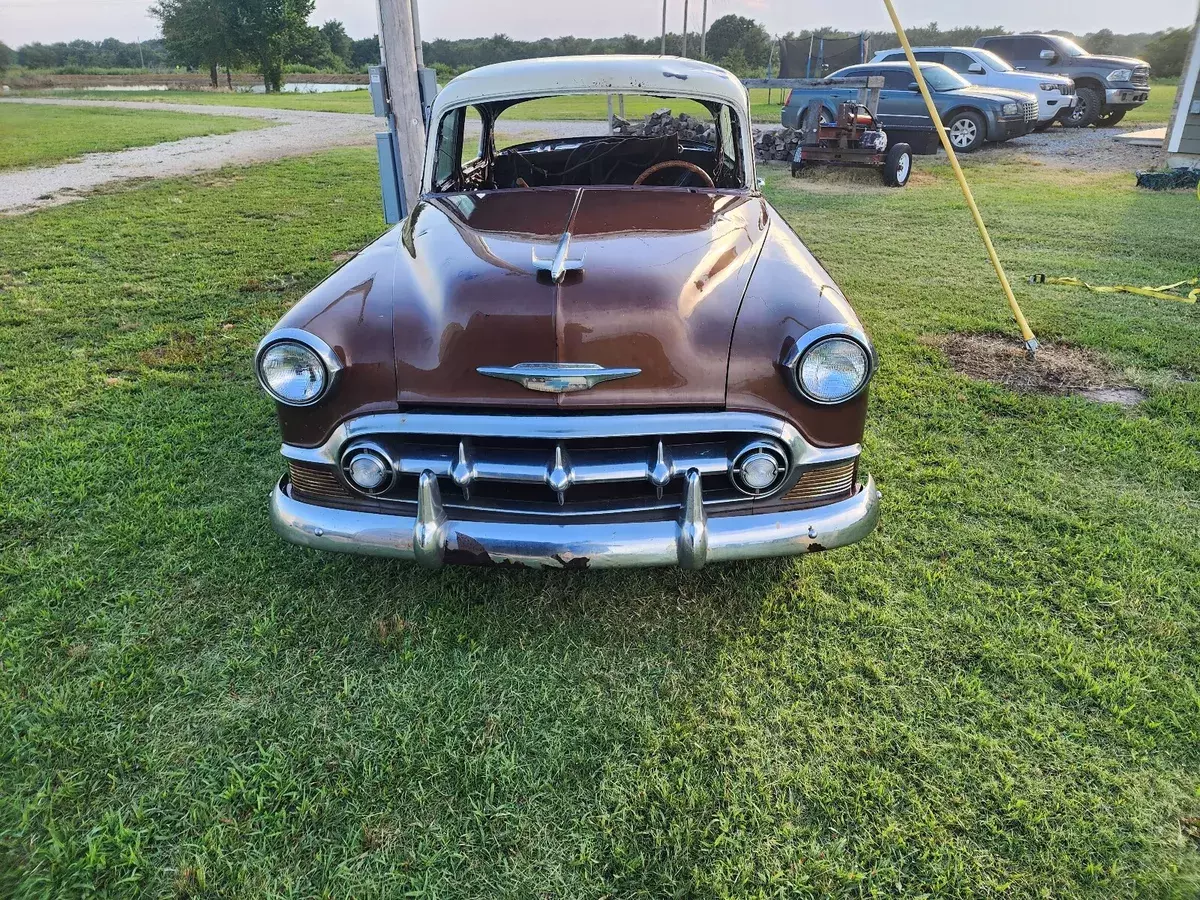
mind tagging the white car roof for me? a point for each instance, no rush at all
(879, 55)
(657, 75)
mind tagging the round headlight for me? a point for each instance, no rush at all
(293, 373)
(833, 370)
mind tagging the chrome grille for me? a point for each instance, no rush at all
(316, 481)
(823, 484)
(495, 466)
(595, 476)
(1067, 90)
(1030, 109)
(1141, 76)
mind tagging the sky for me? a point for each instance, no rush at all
(24, 21)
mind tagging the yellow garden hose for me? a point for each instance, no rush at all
(1031, 343)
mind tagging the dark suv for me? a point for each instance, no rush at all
(1108, 86)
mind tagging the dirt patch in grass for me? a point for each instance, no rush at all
(1057, 369)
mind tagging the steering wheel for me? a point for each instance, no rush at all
(675, 164)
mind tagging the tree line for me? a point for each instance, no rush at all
(267, 35)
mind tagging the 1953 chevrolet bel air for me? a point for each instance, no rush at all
(577, 351)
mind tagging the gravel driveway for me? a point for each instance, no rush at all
(296, 133)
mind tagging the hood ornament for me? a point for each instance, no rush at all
(557, 378)
(558, 265)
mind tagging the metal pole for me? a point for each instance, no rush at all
(141, 55)
(1031, 343)
(663, 51)
(684, 51)
(703, 28)
(401, 55)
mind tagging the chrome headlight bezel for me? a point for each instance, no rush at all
(330, 363)
(1051, 86)
(1010, 109)
(1118, 75)
(794, 359)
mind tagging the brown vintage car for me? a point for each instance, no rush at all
(577, 351)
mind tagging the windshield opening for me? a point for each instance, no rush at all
(572, 140)
(941, 78)
(994, 61)
(1068, 47)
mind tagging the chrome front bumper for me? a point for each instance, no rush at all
(692, 540)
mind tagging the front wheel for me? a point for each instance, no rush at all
(1109, 119)
(967, 131)
(898, 166)
(1088, 105)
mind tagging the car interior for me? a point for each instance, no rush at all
(688, 159)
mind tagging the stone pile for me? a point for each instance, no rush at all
(661, 122)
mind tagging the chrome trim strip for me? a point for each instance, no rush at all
(694, 539)
(791, 359)
(571, 427)
(557, 378)
(333, 365)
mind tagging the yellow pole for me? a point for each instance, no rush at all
(1031, 343)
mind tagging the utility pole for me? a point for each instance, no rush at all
(684, 51)
(663, 51)
(141, 55)
(400, 46)
(703, 28)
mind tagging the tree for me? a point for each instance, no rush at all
(339, 42)
(730, 32)
(6, 57)
(1167, 53)
(200, 33)
(364, 52)
(269, 31)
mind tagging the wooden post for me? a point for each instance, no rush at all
(400, 46)
(703, 28)
(683, 52)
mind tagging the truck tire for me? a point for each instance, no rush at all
(1111, 118)
(967, 130)
(1089, 106)
(898, 166)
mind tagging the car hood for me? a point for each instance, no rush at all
(1117, 62)
(663, 275)
(996, 95)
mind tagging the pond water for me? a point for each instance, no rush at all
(305, 87)
(292, 87)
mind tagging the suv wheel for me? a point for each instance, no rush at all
(1087, 109)
(967, 131)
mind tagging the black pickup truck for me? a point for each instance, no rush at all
(1108, 86)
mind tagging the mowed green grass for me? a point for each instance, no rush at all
(765, 107)
(331, 101)
(994, 695)
(38, 135)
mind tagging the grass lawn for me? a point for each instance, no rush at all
(1157, 109)
(333, 101)
(994, 694)
(41, 135)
